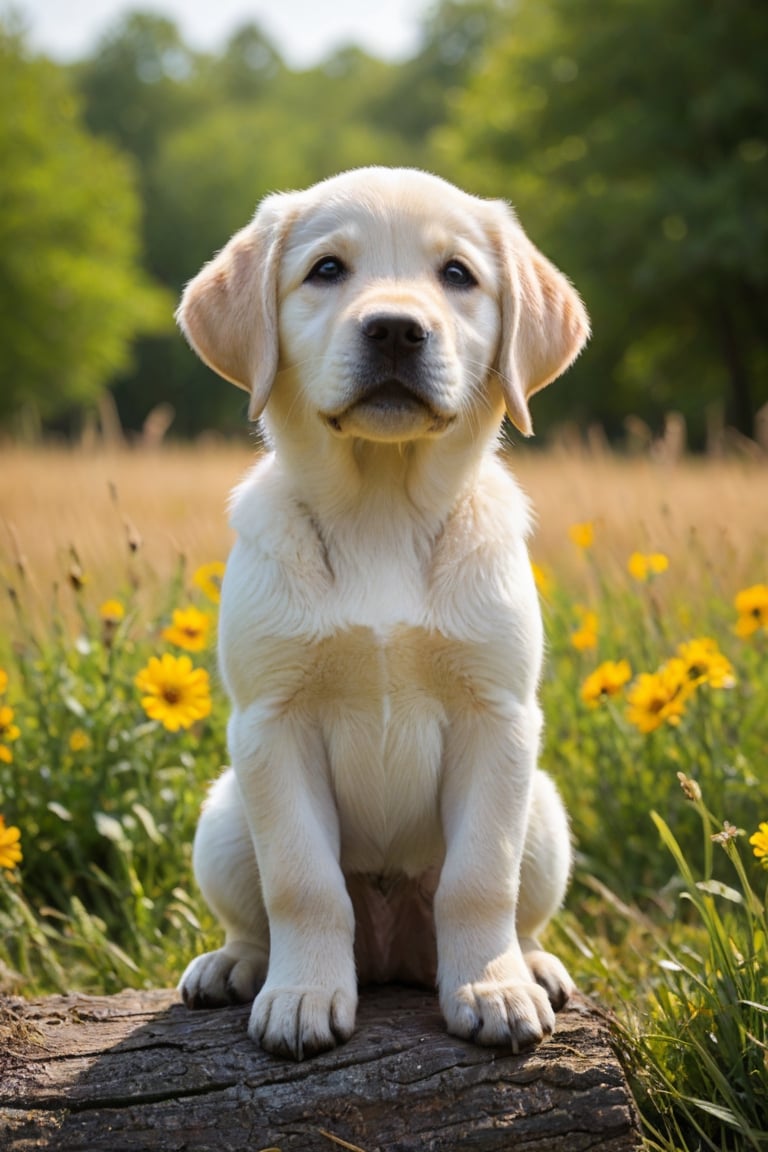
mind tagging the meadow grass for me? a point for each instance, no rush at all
(659, 745)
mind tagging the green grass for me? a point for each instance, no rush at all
(666, 920)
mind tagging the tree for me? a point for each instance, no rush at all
(136, 87)
(633, 137)
(416, 97)
(72, 294)
(249, 65)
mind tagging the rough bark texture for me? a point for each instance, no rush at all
(139, 1072)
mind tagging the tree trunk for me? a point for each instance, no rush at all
(139, 1072)
(740, 407)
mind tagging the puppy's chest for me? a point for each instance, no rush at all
(386, 674)
(382, 702)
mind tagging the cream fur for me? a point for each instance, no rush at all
(380, 635)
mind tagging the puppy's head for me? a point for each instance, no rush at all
(387, 305)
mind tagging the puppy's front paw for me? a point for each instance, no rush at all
(230, 975)
(547, 971)
(302, 1021)
(515, 1013)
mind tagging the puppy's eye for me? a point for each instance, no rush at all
(457, 275)
(328, 270)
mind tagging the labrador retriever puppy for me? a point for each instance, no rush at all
(380, 634)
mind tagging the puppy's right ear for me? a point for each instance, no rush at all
(228, 312)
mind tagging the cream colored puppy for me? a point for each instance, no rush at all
(380, 634)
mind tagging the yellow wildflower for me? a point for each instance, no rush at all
(608, 679)
(752, 607)
(543, 580)
(706, 664)
(660, 697)
(643, 565)
(3, 680)
(585, 635)
(583, 535)
(189, 629)
(208, 579)
(112, 612)
(8, 733)
(79, 740)
(759, 842)
(175, 693)
(10, 846)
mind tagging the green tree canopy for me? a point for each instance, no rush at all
(72, 294)
(633, 137)
(138, 84)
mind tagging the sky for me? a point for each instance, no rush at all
(305, 31)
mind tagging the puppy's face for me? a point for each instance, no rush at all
(389, 308)
(384, 304)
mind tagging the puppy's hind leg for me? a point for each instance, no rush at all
(544, 875)
(228, 876)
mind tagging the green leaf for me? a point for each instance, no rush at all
(716, 888)
(148, 823)
(59, 810)
(109, 827)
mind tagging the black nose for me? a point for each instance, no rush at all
(395, 333)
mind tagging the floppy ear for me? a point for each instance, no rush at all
(228, 312)
(544, 323)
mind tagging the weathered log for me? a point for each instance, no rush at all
(139, 1072)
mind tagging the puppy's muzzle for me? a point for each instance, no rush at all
(393, 372)
(394, 389)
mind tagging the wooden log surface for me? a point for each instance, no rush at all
(139, 1072)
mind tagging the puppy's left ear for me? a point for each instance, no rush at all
(544, 322)
(228, 312)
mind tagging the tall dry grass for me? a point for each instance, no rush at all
(709, 516)
(106, 802)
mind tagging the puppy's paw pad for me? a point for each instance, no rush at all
(299, 1022)
(516, 1014)
(226, 976)
(551, 975)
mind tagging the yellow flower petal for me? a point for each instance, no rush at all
(608, 679)
(189, 629)
(759, 841)
(10, 846)
(657, 698)
(583, 534)
(112, 611)
(642, 565)
(173, 692)
(79, 740)
(751, 605)
(208, 579)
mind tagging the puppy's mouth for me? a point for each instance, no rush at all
(392, 396)
(390, 410)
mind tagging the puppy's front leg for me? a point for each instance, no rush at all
(487, 993)
(308, 1001)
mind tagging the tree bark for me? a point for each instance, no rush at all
(139, 1072)
(741, 408)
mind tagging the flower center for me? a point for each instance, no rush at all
(171, 695)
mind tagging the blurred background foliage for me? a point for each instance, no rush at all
(631, 136)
